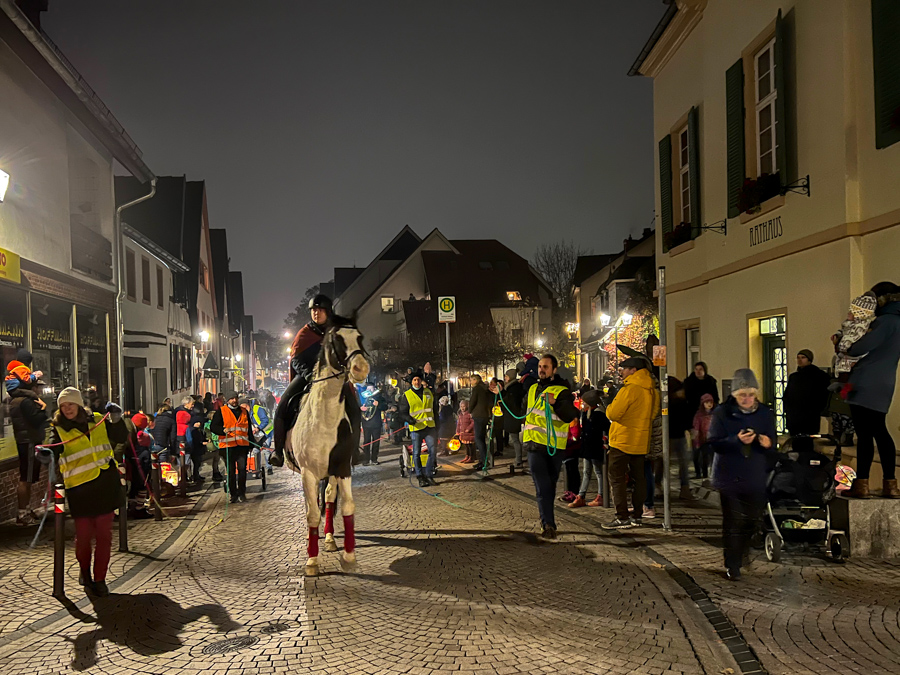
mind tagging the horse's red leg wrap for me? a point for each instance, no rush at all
(349, 534)
(329, 517)
(312, 546)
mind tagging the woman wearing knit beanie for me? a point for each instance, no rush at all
(83, 443)
(743, 436)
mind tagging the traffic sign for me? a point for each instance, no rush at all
(447, 309)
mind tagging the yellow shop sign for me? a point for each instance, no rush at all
(9, 266)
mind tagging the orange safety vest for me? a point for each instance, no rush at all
(235, 429)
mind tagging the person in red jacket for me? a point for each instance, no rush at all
(465, 429)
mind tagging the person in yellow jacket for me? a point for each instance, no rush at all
(91, 479)
(631, 415)
(418, 409)
(545, 451)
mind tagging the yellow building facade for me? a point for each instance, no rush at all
(777, 126)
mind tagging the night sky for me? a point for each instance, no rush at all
(321, 128)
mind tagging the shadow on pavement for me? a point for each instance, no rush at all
(149, 624)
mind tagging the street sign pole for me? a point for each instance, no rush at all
(447, 375)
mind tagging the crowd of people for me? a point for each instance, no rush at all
(552, 425)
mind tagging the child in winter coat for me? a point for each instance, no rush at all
(465, 430)
(699, 435)
(859, 318)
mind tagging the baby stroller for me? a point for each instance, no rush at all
(800, 488)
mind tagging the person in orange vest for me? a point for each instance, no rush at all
(231, 424)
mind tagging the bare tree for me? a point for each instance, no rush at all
(556, 263)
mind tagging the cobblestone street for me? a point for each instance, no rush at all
(457, 585)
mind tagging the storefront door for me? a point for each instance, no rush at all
(775, 372)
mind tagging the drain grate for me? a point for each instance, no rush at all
(234, 644)
(272, 628)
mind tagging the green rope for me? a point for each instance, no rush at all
(548, 420)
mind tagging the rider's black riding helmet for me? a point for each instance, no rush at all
(322, 302)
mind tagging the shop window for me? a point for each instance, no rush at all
(93, 360)
(51, 342)
(130, 279)
(145, 280)
(160, 286)
(12, 324)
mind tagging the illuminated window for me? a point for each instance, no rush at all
(513, 295)
(387, 304)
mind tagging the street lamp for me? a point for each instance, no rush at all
(287, 336)
(626, 319)
(204, 336)
(4, 183)
(540, 343)
(604, 320)
(237, 357)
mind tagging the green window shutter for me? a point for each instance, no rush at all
(886, 53)
(734, 133)
(665, 186)
(693, 127)
(781, 155)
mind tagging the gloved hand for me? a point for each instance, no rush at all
(43, 454)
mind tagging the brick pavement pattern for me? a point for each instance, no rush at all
(464, 586)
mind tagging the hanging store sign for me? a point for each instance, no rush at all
(766, 231)
(10, 269)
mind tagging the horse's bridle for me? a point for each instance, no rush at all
(344, 370)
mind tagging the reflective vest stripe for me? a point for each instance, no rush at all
(84, 456)
(235, 429)
(422, 409)
(536, 420)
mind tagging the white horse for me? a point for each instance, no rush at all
(325, 438)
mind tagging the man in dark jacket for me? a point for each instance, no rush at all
(164, 432)
(29, 422)
(372, 423)
(805, 396)
(513, 403)
(480, 404)
(419, 409)
(236, 454)
(304, 357)
(698, 383)
(545, 453)
(197, 445)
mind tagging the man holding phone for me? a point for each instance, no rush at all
(743, 436)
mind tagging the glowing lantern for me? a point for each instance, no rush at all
(393, 382)
(497, 411)
(453, 444)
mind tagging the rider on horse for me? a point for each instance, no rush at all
(304, 356)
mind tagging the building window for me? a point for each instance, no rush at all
(886, 62)
(766, 120)
(159, 287)
(204, 276)
(387, 304)
(679, 181)
(130, 281)
(513, 296)
(485, 265)
(693, 348)
(93, 374)
(145, 280)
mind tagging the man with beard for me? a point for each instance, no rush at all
(544, 453)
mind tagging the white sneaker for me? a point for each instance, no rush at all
(649, 513)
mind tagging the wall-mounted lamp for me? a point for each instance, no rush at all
(204, 336)
(4, 184)
(605, 319)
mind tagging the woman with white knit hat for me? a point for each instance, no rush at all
(89, 472)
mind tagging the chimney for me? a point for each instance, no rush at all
(647, 232)
(32, 10)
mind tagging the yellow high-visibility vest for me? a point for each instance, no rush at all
(256, 418)
(536, 420)
(422, 409)
(235, 429)
(85, 455)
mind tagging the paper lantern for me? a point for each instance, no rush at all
(498, 412)
(453, 444)
(393, 382)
